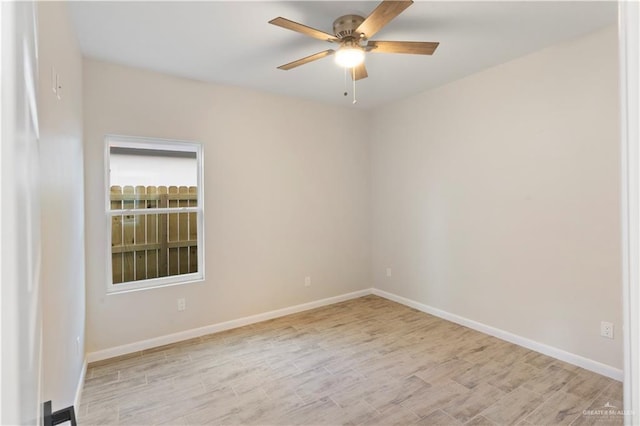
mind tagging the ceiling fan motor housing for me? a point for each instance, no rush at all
(345, 26)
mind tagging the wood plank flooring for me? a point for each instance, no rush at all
(367, 361)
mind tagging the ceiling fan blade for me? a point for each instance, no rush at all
(306, 60)
(294, 26)
(359, 72)
(411, 47)
(381, 16)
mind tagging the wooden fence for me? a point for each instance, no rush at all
(152, 245)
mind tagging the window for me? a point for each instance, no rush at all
(154, 209)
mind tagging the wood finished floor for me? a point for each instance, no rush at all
(367, 361)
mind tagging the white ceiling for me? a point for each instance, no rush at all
(230, 42)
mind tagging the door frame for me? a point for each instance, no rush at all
(629, 48)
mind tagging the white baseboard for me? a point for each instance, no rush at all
(580, 361)
(214, 328)
(79, 387)
(562, 355)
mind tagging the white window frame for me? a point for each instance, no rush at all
(119, 141)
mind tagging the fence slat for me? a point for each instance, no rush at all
(193, 230)
(116, 236)
(128, 236)
(152, 235)
(163, 224)
(174, 268)
(183, 230)
(140, 224)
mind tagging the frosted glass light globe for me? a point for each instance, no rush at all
(349, 56)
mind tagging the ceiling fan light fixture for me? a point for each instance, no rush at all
(350, 56)
(353, 35)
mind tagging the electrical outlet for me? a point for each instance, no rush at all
(606, 329)
(182, 304)
(388, 272)
(307, 281)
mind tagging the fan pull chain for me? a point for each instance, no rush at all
(353, 71)
(345, 82)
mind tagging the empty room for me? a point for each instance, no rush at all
(319, 213)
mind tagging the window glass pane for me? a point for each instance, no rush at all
(146, 246)
(162, 171)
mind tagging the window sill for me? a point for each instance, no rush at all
(154, 284)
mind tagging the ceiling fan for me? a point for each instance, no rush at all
(353, 33)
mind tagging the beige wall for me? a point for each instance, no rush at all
(286, 196)
(62, 206)
(497, 197)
